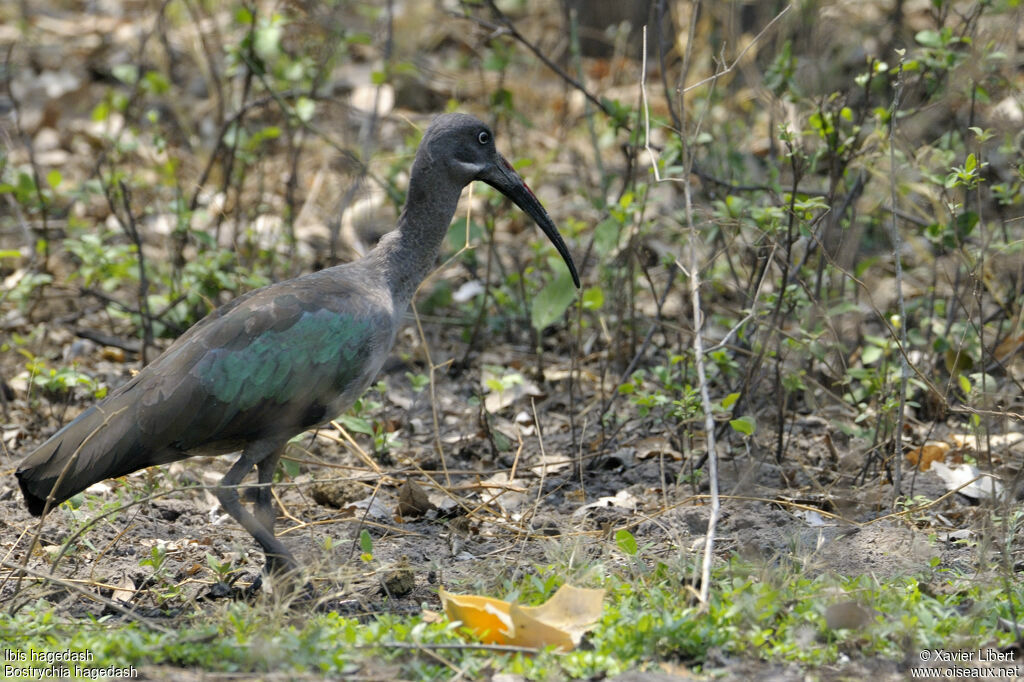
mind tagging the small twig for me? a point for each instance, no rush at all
(694, 278)
(355, 447)
(131, 229)
(433, 395)
(639, 354)
(26, 139)
(508, 27)
(110, 300)
(130, 345)
(753, 307)
(717, 75)
(362, 521)
(702, 382)
(426, 346)
(605, 180)
(588, 113)
(896, 244)
(13, 203)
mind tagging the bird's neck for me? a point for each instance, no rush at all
(410, 252)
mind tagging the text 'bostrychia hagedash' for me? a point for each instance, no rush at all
(282, 359)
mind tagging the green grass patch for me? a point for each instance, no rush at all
(768, 613)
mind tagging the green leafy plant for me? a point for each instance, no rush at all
(359, 420)
(58, 383)
(103, 260)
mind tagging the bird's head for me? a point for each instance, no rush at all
(465, 147)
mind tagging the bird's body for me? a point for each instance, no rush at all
(279, 360)
(269, 364)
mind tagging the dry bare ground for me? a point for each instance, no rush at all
(498, 447)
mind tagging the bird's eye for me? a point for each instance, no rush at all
(484, 137)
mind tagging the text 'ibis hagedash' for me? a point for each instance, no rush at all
(282, 359)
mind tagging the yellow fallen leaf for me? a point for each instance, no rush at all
(488, 619)
(559, 622)
(530, 632)
(571, 610)
(428, 616)
(1008, 348)
(997, 440)
(124, 591)
(926, 454)
(653, 446)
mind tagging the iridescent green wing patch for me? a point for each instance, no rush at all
(321, 351)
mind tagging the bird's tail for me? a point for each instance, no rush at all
(103, 442)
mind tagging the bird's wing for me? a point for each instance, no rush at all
(267, 365)
(273, 363)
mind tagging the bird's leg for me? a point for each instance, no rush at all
(264, 505)
(279, 559)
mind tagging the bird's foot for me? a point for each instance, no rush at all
(254, 587)
(303, 594)
(231, 589)
(281, 566)
(285, 576)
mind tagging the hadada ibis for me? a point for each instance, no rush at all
(282, 359)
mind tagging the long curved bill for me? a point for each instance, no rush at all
(502, 177)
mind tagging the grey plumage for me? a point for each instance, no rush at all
(282, 359)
